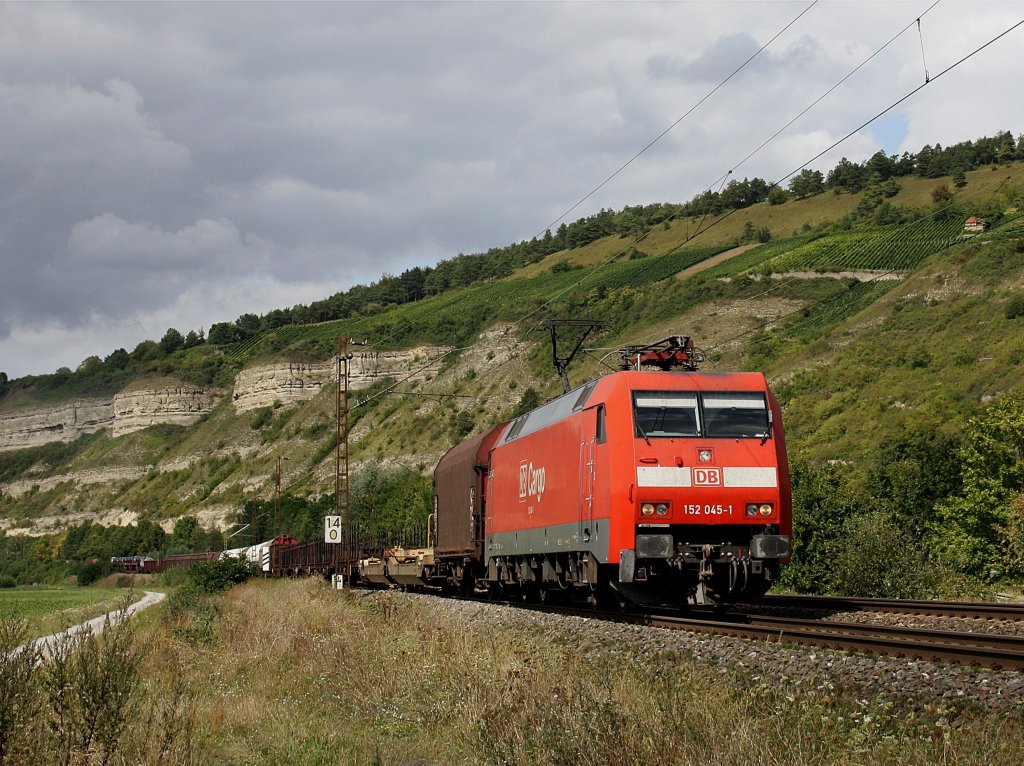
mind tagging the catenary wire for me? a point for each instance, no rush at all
(719, 220)
(667, 130)
(699, 230)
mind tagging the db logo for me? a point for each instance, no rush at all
(707, 477)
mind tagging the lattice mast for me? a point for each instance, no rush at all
(342, 496)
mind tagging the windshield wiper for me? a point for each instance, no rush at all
(640, 428)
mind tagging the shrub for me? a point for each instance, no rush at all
(78, 707)
(1015, 306)
(875, 561)
(90, 571)
(214, 576)
(92, 688)
(463, 423)
(261, 418)
(191, 614)
(528, 401)
(19, 700)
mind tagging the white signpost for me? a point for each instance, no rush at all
(332, 529)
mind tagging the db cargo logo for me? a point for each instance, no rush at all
(707, 477)
(531, 481)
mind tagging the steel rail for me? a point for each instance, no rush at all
(971, 609)
(995, 651)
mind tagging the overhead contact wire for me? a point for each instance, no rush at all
(669, 129)
(722, 179)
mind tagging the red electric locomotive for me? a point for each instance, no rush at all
(643, 486)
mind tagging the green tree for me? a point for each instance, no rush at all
(913, 472)
(807, 183)
(186, 530)
(117, 359)
(193, 339)
(777, 195)
(222, 333)
(172, 341)
(823, 500)
(975, 529)
(847, 176)
(530, 400)
(463, 423)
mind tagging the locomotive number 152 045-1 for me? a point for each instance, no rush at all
(693, 509)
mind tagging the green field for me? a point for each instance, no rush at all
(52, 609)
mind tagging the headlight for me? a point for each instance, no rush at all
(647, 509)
(765, 509)
(751, 509)
(661, 509)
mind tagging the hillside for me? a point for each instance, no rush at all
(867, 332)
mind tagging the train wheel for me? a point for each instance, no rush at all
(549, 595)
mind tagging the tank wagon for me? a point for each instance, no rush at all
(649, 487)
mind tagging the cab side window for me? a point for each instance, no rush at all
(602, 433)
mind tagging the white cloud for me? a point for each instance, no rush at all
(175, 165)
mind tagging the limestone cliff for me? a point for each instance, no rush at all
(138, 409)
(59, 423)
(126, 412)
(291, 382)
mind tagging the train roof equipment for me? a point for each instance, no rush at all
(675, 351)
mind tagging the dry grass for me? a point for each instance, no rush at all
(292, 672)
(299, 674)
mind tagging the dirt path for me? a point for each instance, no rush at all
(714, 261)
(863, 276)
(46, 644)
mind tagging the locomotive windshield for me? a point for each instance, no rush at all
(718, 414)
(735, 414)
(665, 413)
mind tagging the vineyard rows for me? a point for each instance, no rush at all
(514, 297)
(900, 248)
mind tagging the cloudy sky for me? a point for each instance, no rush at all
(175, 165)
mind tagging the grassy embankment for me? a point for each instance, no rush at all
(293, 672)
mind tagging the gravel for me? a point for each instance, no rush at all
(921, 685)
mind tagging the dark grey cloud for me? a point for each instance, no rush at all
(177, 164)
(723, 57)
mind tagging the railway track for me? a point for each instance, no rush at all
(969, 609)
(1001, 652)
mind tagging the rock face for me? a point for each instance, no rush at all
(289, 382)
(61, 423)
(263, 386)
(286, 382)
(414, 364)
(135, 410)
(128, 411)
